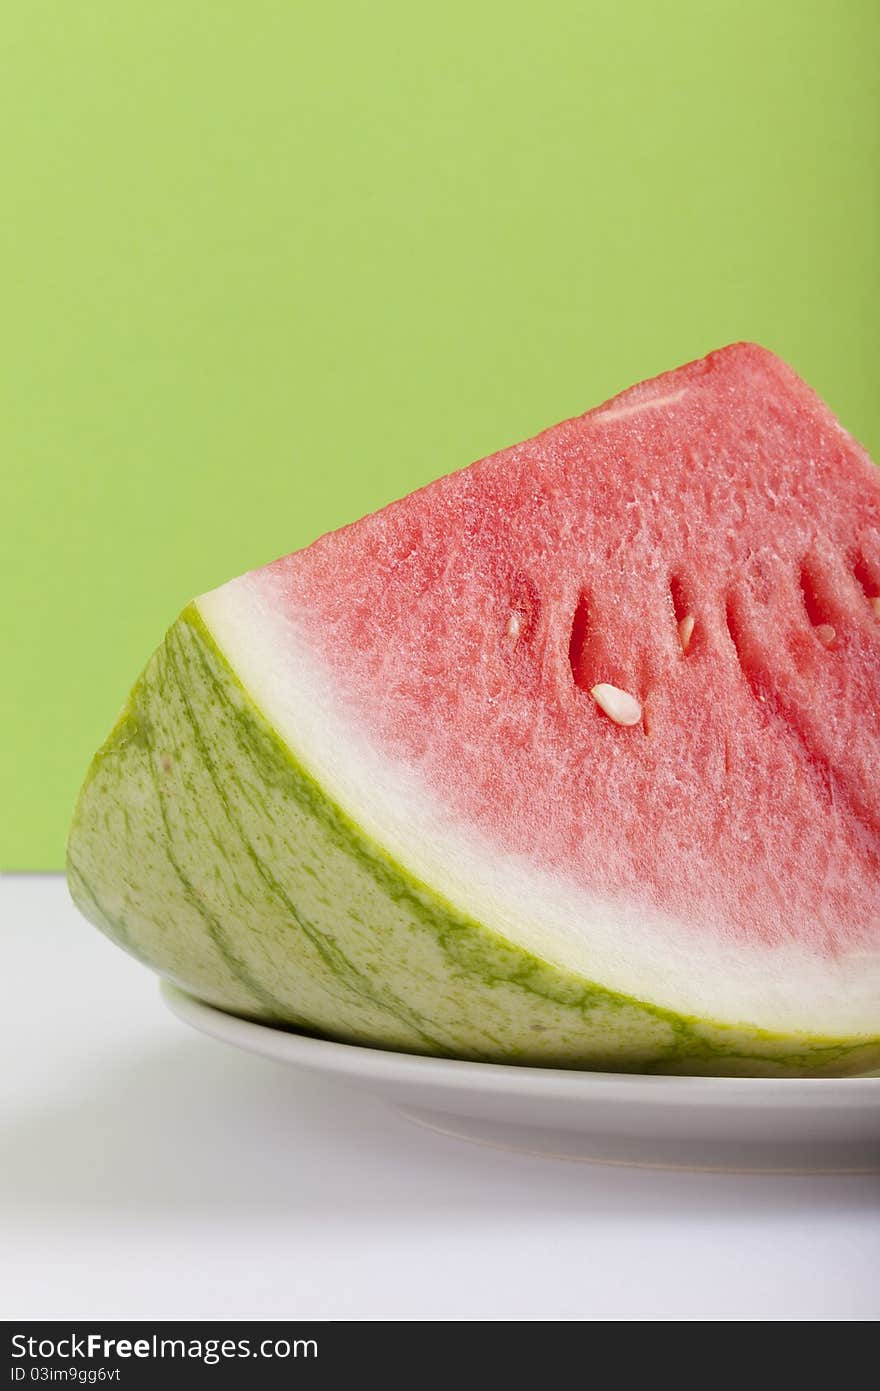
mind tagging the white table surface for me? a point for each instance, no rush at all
(147, 1172)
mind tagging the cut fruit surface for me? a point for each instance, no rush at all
(570, 756)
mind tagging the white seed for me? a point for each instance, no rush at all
(825, 633)
(514, 624)
(618, 705)
(875, 605)
(685, 631)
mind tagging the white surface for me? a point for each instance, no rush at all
(798, 1125)
(147, 1172)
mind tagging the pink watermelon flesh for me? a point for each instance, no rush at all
(470, 621)
(467, 624)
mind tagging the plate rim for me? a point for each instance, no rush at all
(437, 1073)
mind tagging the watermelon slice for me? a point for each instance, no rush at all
(569, 758)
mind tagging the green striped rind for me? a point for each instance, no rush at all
(202, 846)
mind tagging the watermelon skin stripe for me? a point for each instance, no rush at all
(326, 945)
(196, 819)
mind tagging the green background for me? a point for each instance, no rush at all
(266, 266)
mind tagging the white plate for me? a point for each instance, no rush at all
(762, 1124)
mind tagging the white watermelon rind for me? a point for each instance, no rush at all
(202, 846)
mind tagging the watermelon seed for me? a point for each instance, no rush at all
(618, 705)
(514, 625)
(867, 576)
(681, 607)
(579, 640)
(814, 596)
(737, 621)
(825, 633)
(736, 629)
